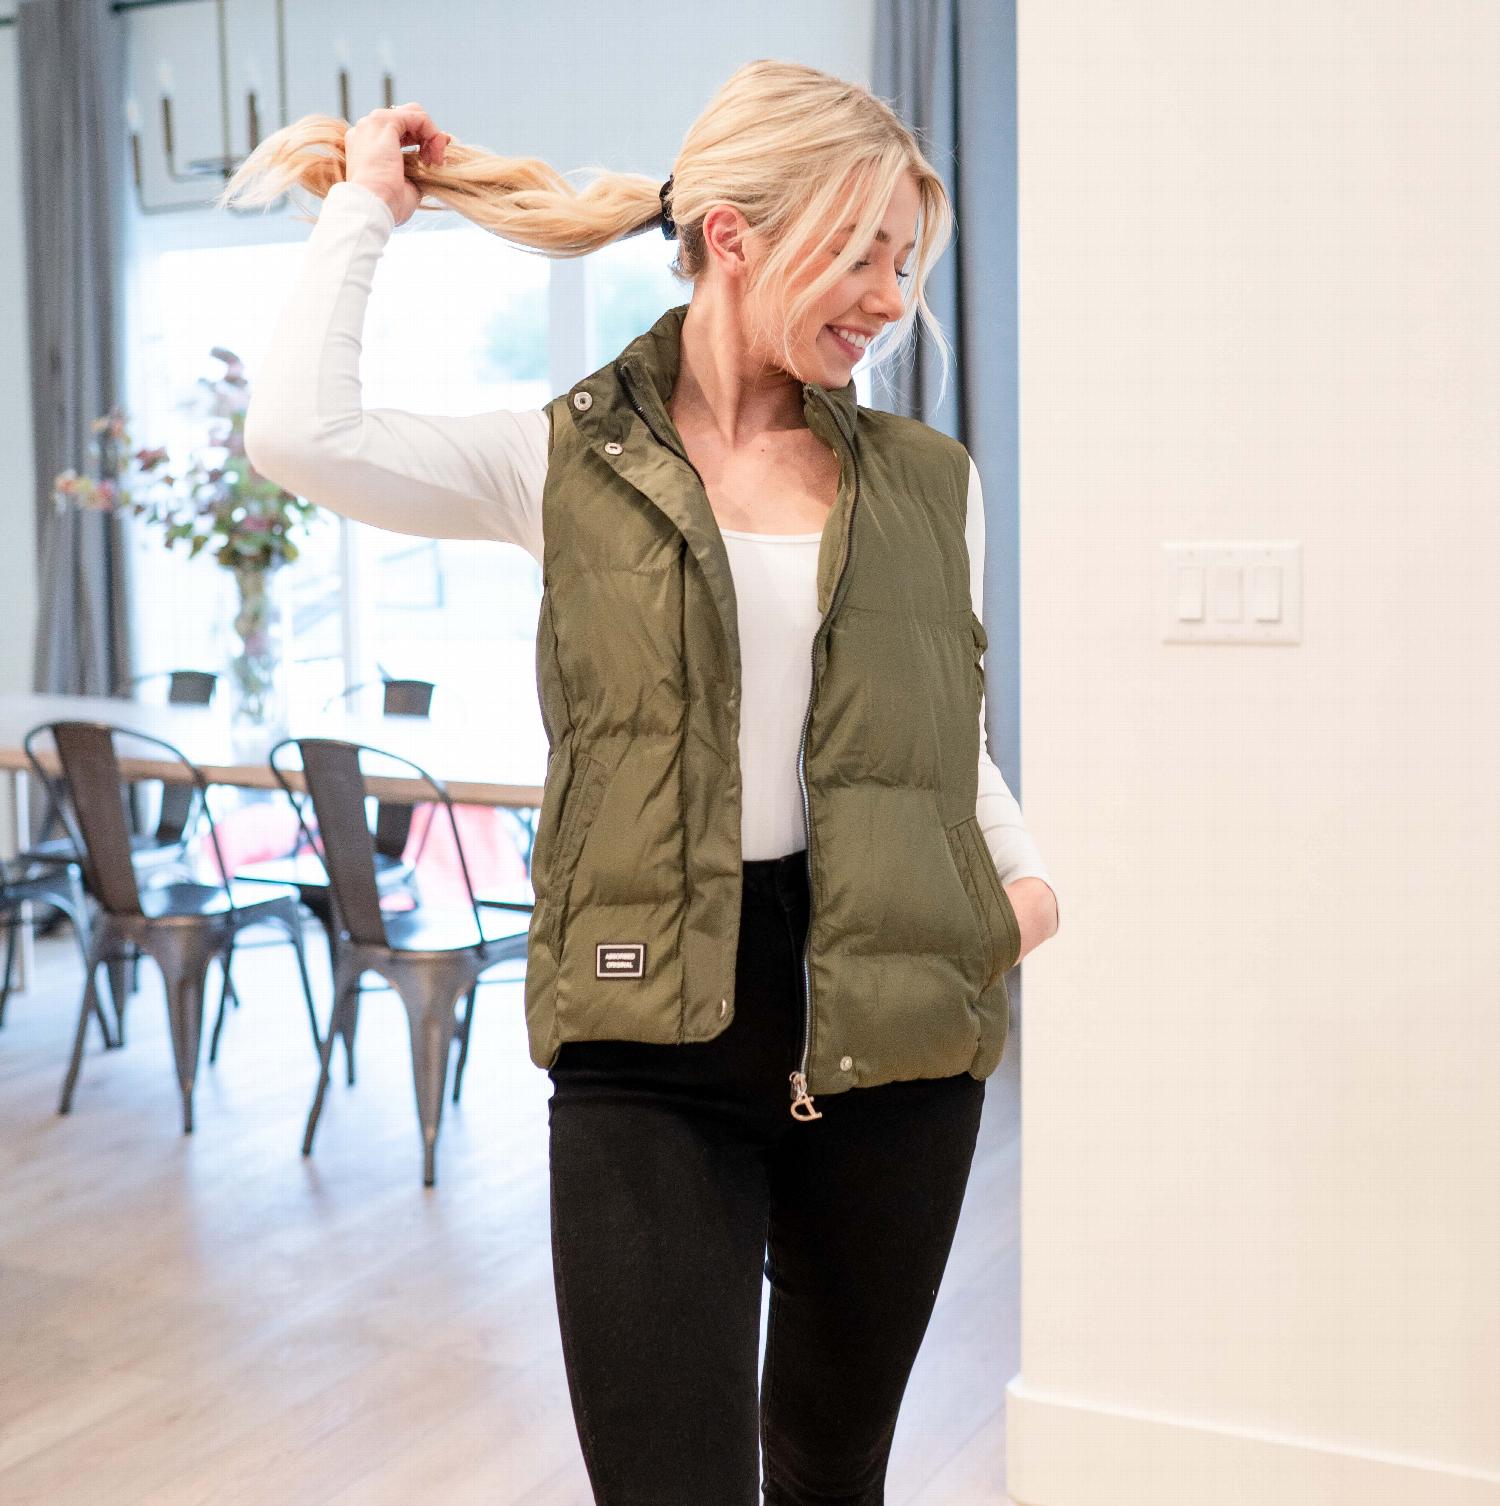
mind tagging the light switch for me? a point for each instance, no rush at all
(1228, 590)
(1190, 593)
(1246, 591)
(1265, 593)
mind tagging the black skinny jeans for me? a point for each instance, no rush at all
(679, 1178)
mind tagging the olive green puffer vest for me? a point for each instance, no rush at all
(636, 863)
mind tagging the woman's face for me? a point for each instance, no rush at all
(830, 340)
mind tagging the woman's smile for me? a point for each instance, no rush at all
(847, 346)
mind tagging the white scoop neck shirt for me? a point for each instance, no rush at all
(480, 476)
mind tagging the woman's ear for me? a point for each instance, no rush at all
(729, 239)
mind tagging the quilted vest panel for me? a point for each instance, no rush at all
(636, 863)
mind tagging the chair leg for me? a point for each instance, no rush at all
(110, 1042)
(346, 974)
(117, 970)
(433, 1024)
(293, 923)
(10, 964)
(226, 987)
(185, 983)
(121, 970)
(350, 1026)
(463, 1049)
(76, 908)
(87, 1008)
(349, 1022)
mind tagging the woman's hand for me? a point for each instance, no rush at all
(1036, 910)
(373, 155)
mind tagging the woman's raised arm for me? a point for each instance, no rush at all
(476, 476)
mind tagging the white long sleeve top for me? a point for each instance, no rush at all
(480, 476)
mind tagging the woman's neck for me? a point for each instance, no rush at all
(721, 386)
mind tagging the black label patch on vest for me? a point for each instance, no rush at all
(620, 959)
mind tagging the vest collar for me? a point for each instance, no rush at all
(621, 410)
(655, 358)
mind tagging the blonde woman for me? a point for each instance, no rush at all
(778, 880)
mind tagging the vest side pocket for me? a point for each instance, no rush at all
(996, 914)
(998, 921)
(580, 803)
(554, 796)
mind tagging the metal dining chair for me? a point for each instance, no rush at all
(160, 848)
(395, 873)
(183, 924)
(186, 687)
(431, 956)
(59, 887)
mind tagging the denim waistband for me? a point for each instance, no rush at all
(782, 877)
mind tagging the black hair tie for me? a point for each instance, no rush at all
(668, 224)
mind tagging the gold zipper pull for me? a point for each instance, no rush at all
(801, 1097)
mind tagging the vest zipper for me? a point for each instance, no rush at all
(651, 428)
(802, 1100)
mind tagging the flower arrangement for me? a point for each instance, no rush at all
(249, 524)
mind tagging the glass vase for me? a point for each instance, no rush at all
(256, 676)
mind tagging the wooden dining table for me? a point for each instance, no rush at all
(479, 755)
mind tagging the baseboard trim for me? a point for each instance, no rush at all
(1065, 1452)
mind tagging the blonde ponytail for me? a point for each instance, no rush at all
(799, 152)
(522, 199)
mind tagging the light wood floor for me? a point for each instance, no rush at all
(210, 1318)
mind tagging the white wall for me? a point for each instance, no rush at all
(1261, 1067)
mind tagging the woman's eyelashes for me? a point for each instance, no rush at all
(902, 273)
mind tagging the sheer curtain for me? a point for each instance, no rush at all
(71, 66)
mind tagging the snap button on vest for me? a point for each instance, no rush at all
(612, 448)
(583, 401)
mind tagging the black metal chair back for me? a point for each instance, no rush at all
(95, 811)
(185, 687)
(333, 771)
(393, 818)
(398, 698)
(176, 810)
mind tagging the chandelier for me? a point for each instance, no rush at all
(220, 168)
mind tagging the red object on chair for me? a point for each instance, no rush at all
(489, 846)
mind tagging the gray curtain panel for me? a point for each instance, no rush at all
(948, 67)
(71, 58)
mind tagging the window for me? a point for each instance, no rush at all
(630, 287)
(458, 322)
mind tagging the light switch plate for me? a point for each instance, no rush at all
(1231, 592)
